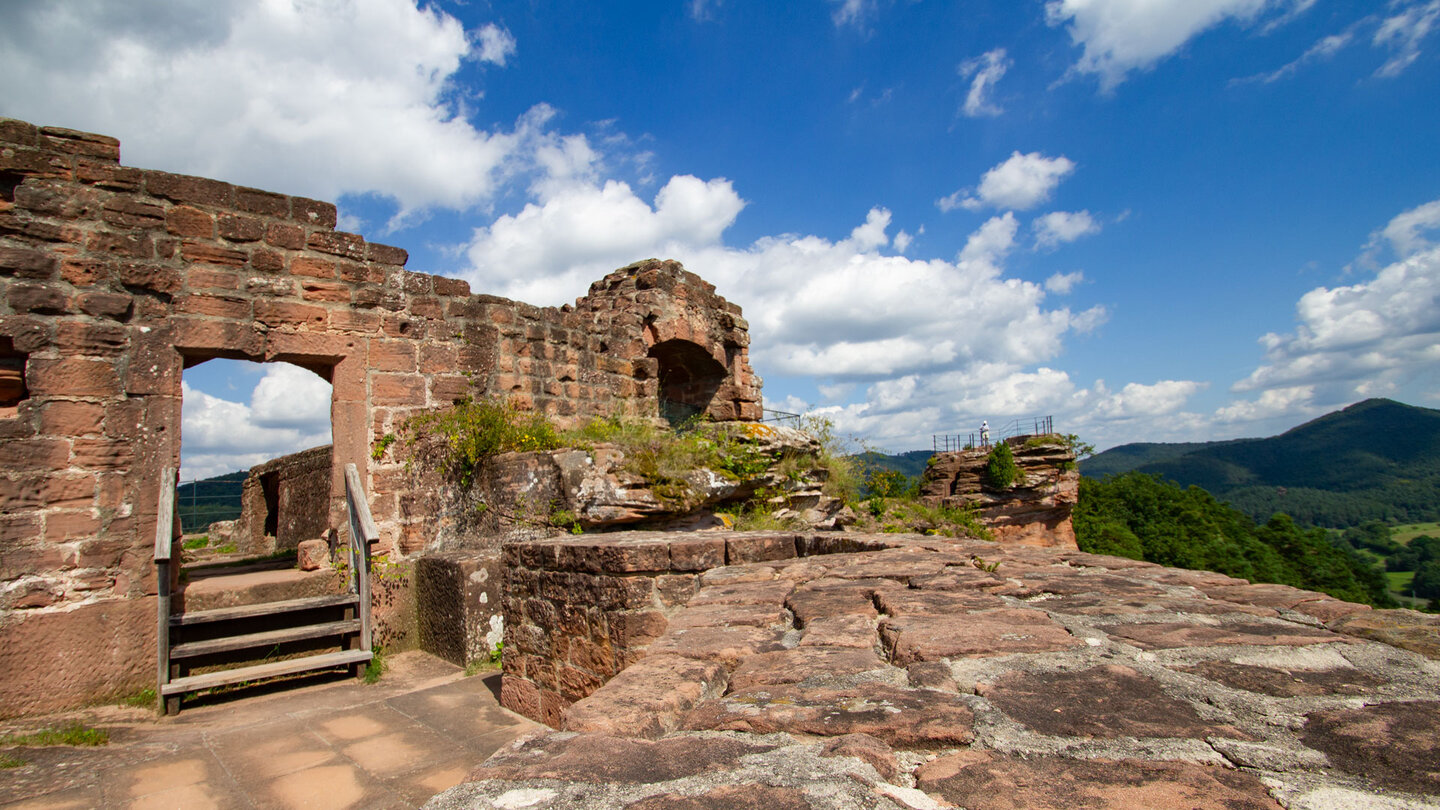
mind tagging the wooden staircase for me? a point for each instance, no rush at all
(254, 642)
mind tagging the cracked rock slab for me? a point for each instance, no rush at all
(981, 780)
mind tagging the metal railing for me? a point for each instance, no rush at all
(780, 417)
(202, 502)
(1014, 429)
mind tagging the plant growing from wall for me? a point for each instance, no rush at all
(476, 429)
(1001, 471)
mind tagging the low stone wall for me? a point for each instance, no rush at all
(578, 610)
(1034, 512)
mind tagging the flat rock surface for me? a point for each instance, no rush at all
(983, 781)
(933, 673)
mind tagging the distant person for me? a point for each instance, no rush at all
(984, 433)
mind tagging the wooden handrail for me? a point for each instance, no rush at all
(164, 540)
(165, 516)
(363, 532)
(355, 496)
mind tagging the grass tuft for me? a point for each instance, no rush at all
(74, 734)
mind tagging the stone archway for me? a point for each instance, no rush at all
(689, 378)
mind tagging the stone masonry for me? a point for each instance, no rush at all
(113, 279)
(284, 502)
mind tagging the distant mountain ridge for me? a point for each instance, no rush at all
(1375, 460)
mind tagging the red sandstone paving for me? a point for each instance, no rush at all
(931, 675)
(904, 718)
(728, 645)
(987, 633)
(866, 748)
(832, 597)
(599, 758)
(913, 602)
(1104, 702)
(1394, 745)
(793, 666)
(958, 577)
(1286, 683)
(648, 698)
(1101, 605)
(981, 780)
(716, 615)
(1170, 635)
(1112, 586)
(841, 631)
(771, 592)
(730, 797)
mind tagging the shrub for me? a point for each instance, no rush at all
(475, 430)
(1000, 469)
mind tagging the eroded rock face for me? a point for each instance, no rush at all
(525, 495)
(1035, 511)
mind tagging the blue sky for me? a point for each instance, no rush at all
(1157, 221)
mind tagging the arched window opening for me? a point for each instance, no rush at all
(689, 378)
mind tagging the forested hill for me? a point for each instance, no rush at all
(910, 463)
(1376, 460)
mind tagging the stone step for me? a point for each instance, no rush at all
(254, 587)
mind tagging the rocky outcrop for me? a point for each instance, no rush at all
(532, 495)
(1035, 511)
(826, 669)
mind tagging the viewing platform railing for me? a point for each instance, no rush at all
(1015, 428)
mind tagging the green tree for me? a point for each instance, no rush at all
(1145, 517)
(1000, 468)
(1427, 581)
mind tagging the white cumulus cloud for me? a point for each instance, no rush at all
(1021, 182)
(1121, 36)
(496, 44)
(1358, 339)
(315, 97)
(1057, 227)
(984, 72)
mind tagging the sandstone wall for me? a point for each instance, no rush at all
(1034, 512)
(113, 279)
(284, 501)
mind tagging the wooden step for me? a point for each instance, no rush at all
(262, 609)
(269, 638)
(210, 680)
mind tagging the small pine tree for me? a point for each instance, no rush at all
(1000, 469)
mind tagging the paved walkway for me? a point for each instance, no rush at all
(334, 744)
